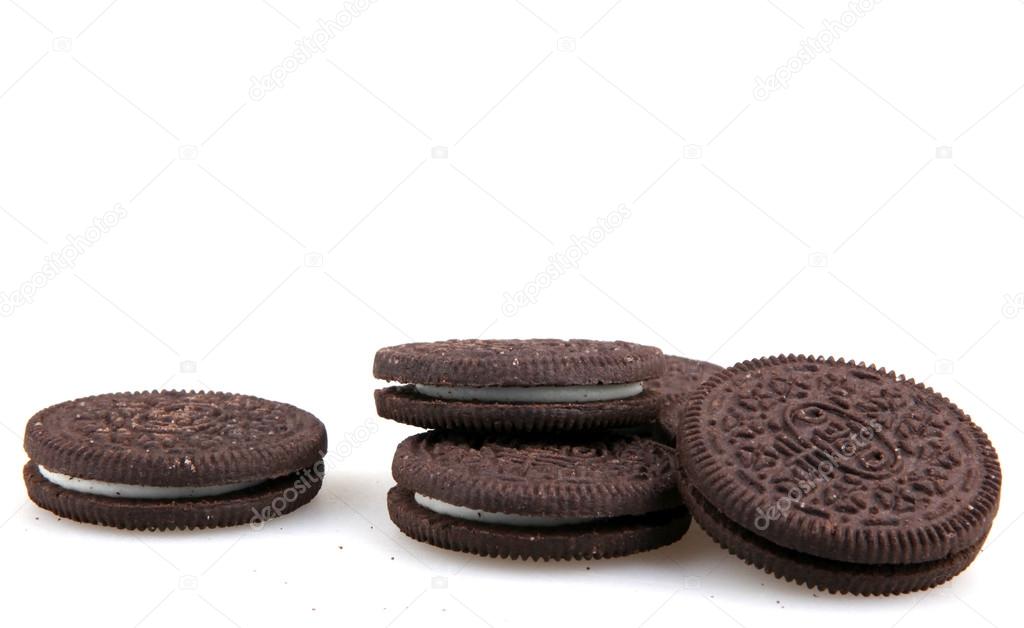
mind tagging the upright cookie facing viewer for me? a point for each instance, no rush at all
(545, 497)
(837, 475)
(518, 385)
(165, 460)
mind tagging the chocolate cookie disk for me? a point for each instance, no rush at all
(174, 459)
(681, 379)
(518, 385)
(563, 497)
(842, 462)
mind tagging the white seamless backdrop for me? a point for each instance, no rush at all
(255, 196)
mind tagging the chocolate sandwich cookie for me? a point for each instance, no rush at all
(518, 385)
(564, 497)
(682, 378)
(174, 459)
(837, 475)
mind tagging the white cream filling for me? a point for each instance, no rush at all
(534, 394)
(498, 518)
(136, 491)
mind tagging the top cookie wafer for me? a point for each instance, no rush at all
(174, 438)
(518, 363)
(840, 461)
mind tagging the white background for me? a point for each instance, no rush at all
(423, 168)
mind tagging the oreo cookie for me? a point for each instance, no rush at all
(682, 378)
(173, 459)
(518, 385)
(557, 498)
(837, 475)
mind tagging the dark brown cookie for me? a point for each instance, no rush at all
(584, 496)
(620, 536)
(253, 506)
(483, 363)
(840, 461)
(681, 379)
(821, 573)
(518, 385)
(176, 447)
(405, 405)
(592, 475)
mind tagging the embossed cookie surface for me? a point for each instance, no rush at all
(557, 498)
(840, 461)
(174, 438)
(162, 460)
(519, 385)
(589, 475)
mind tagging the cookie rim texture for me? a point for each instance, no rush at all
(230, 509)
(404, 405)
(823, 574)
(664, 417)
(857, 544)
(269, 458)
(615, 537)
(518, 362)
(416, 469)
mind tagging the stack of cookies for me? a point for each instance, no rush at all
(530, 452)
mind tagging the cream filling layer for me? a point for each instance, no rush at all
(534, 394)
(498, 518)
(136, 491)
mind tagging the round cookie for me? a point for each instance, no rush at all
(518, 385)
(564, 497)
(821, 459)
(682, 378)
(173, 459)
